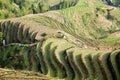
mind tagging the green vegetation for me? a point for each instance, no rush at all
(41, 58)
(111, 41)
(63, 61)
(71, 57)
(17, 8)
(87, 20)
(1, 34)
(78, 40)
(116, 2)
(97, 69)
(91, 25)
(113, 55)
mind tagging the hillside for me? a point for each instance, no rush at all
(93, 21)
(64, 39)
(17, 8)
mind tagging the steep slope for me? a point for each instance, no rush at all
(92, 20)
(17, 8)
(92, 23)
(79, 42)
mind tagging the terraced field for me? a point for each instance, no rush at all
(81, 45)
(6, 74)
(58, 58)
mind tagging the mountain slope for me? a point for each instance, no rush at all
(17, 8)
(77, 42)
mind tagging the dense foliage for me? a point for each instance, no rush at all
(16, 8)
(1, 34)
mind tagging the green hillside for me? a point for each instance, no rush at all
(92, 20)
(62, 39)
(88, 21)
(17, 8)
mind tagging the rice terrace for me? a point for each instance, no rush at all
(59, 39)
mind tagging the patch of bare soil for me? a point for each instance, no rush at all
(106, 24)
(116, 34)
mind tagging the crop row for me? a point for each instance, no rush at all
(63, 60)
(58, 58)
(16, 32)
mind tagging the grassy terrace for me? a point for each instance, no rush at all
(60, 59)
(79, 42)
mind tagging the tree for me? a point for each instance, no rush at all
(11, 1)
(1, 34)
(1, 5)
(43, 7)
(1, 15)
(33, 9)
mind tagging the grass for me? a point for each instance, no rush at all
(47, 21)
(8, 55)
(32, 36)
(26, 59)
(34, 63)
(88, 65)
(52, 57)
(1, 34)
(74, 65)
(55, 56)
(46, 54)
(20, 33)
(58, 60)
(103, 62)
(82, 21)
(82, 66)
(84, 24)
(41, 58)
(20, 8)
(110, 41)
(62, 57)
(60, 70)
(8, 74)
(114, 64)
(25, 35)
(16, 24)
(98, 70)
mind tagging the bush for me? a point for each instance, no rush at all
(1, 34)
(1, 15)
